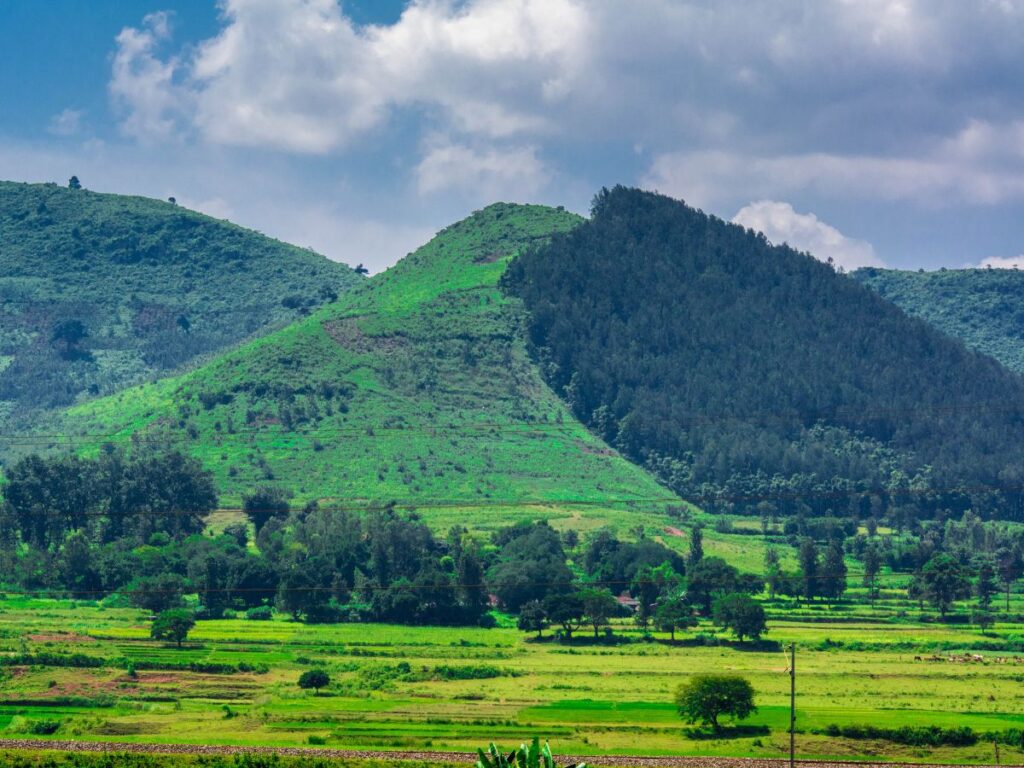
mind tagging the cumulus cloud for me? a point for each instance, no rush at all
(980, 164)
(142, 86)
(773, 94)
(806, 232)
(67, 122)
(489, 172)
(299, 75)
(1001, 262)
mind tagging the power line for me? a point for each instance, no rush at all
(859, 414)
(370, 587)
(365, 505)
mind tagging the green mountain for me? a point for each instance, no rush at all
(751, 376)
(414, 387)
(99, 291)
(984, 308)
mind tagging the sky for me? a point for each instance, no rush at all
(872, 132)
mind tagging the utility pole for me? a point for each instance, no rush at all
(792, 704)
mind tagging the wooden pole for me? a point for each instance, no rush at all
(792, 705)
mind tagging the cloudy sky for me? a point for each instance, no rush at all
(882, 132)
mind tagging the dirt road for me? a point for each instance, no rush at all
(458, 758)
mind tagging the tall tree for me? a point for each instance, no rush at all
(672, 612)
(696, 553)
(833, 571)
(872, 566)
(810, 567)
(944, 581)
(1010, 564)
(599, 605)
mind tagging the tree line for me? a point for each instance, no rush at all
(135, 527)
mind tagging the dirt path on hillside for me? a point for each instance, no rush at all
(459, 758)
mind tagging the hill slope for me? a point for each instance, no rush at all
(984, 308)
(737, 369)
(99, 291)
(415, 386)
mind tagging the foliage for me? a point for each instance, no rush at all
(672, 612)
(532, 756)
(981, 307)
(599, 606)
(107, 498)
(742, 372)
(943, 580)
(173, 625)
(315, 679)
(916, 736)
(741, 614)
(705, 698)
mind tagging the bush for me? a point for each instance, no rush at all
(911, 735)
(260, 613)
(43, 727)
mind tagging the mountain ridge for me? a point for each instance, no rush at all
(100, 291)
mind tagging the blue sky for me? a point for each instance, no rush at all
(885, 132)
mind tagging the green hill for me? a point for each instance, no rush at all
(752, 376)
(415, 387)
(99, 291)
(984, 308)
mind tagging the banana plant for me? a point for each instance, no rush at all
(533, 756)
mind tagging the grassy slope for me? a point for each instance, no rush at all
(984, 308)
(415, 387)
(129, 268)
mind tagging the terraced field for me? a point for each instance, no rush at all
(398, 688)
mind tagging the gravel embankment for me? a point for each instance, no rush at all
(460, 758)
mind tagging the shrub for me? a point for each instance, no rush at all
(911, 735)
(43, 727)
(260, 613)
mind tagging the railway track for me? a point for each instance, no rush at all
(459, 758)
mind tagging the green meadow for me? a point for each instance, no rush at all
(91, 672)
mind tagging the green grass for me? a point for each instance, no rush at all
(588, 699)
(415, 387)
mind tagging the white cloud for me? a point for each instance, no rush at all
(487, 173)
(67, 122)
(298, 75)
(1002, 262)
(806, 232)
(980, 164)
(768, 95)
(142, 86)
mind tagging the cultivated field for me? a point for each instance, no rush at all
(396, 687)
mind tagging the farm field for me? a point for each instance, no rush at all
(396, 687)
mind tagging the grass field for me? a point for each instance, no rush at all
(405, 688)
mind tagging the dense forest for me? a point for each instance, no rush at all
(984, 308)
(748, 375)
(100, 291)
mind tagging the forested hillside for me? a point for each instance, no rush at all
(982, 307)
(750, 375)
(98, 292)
(415, 387)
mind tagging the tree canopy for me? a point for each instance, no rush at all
(742, 372)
